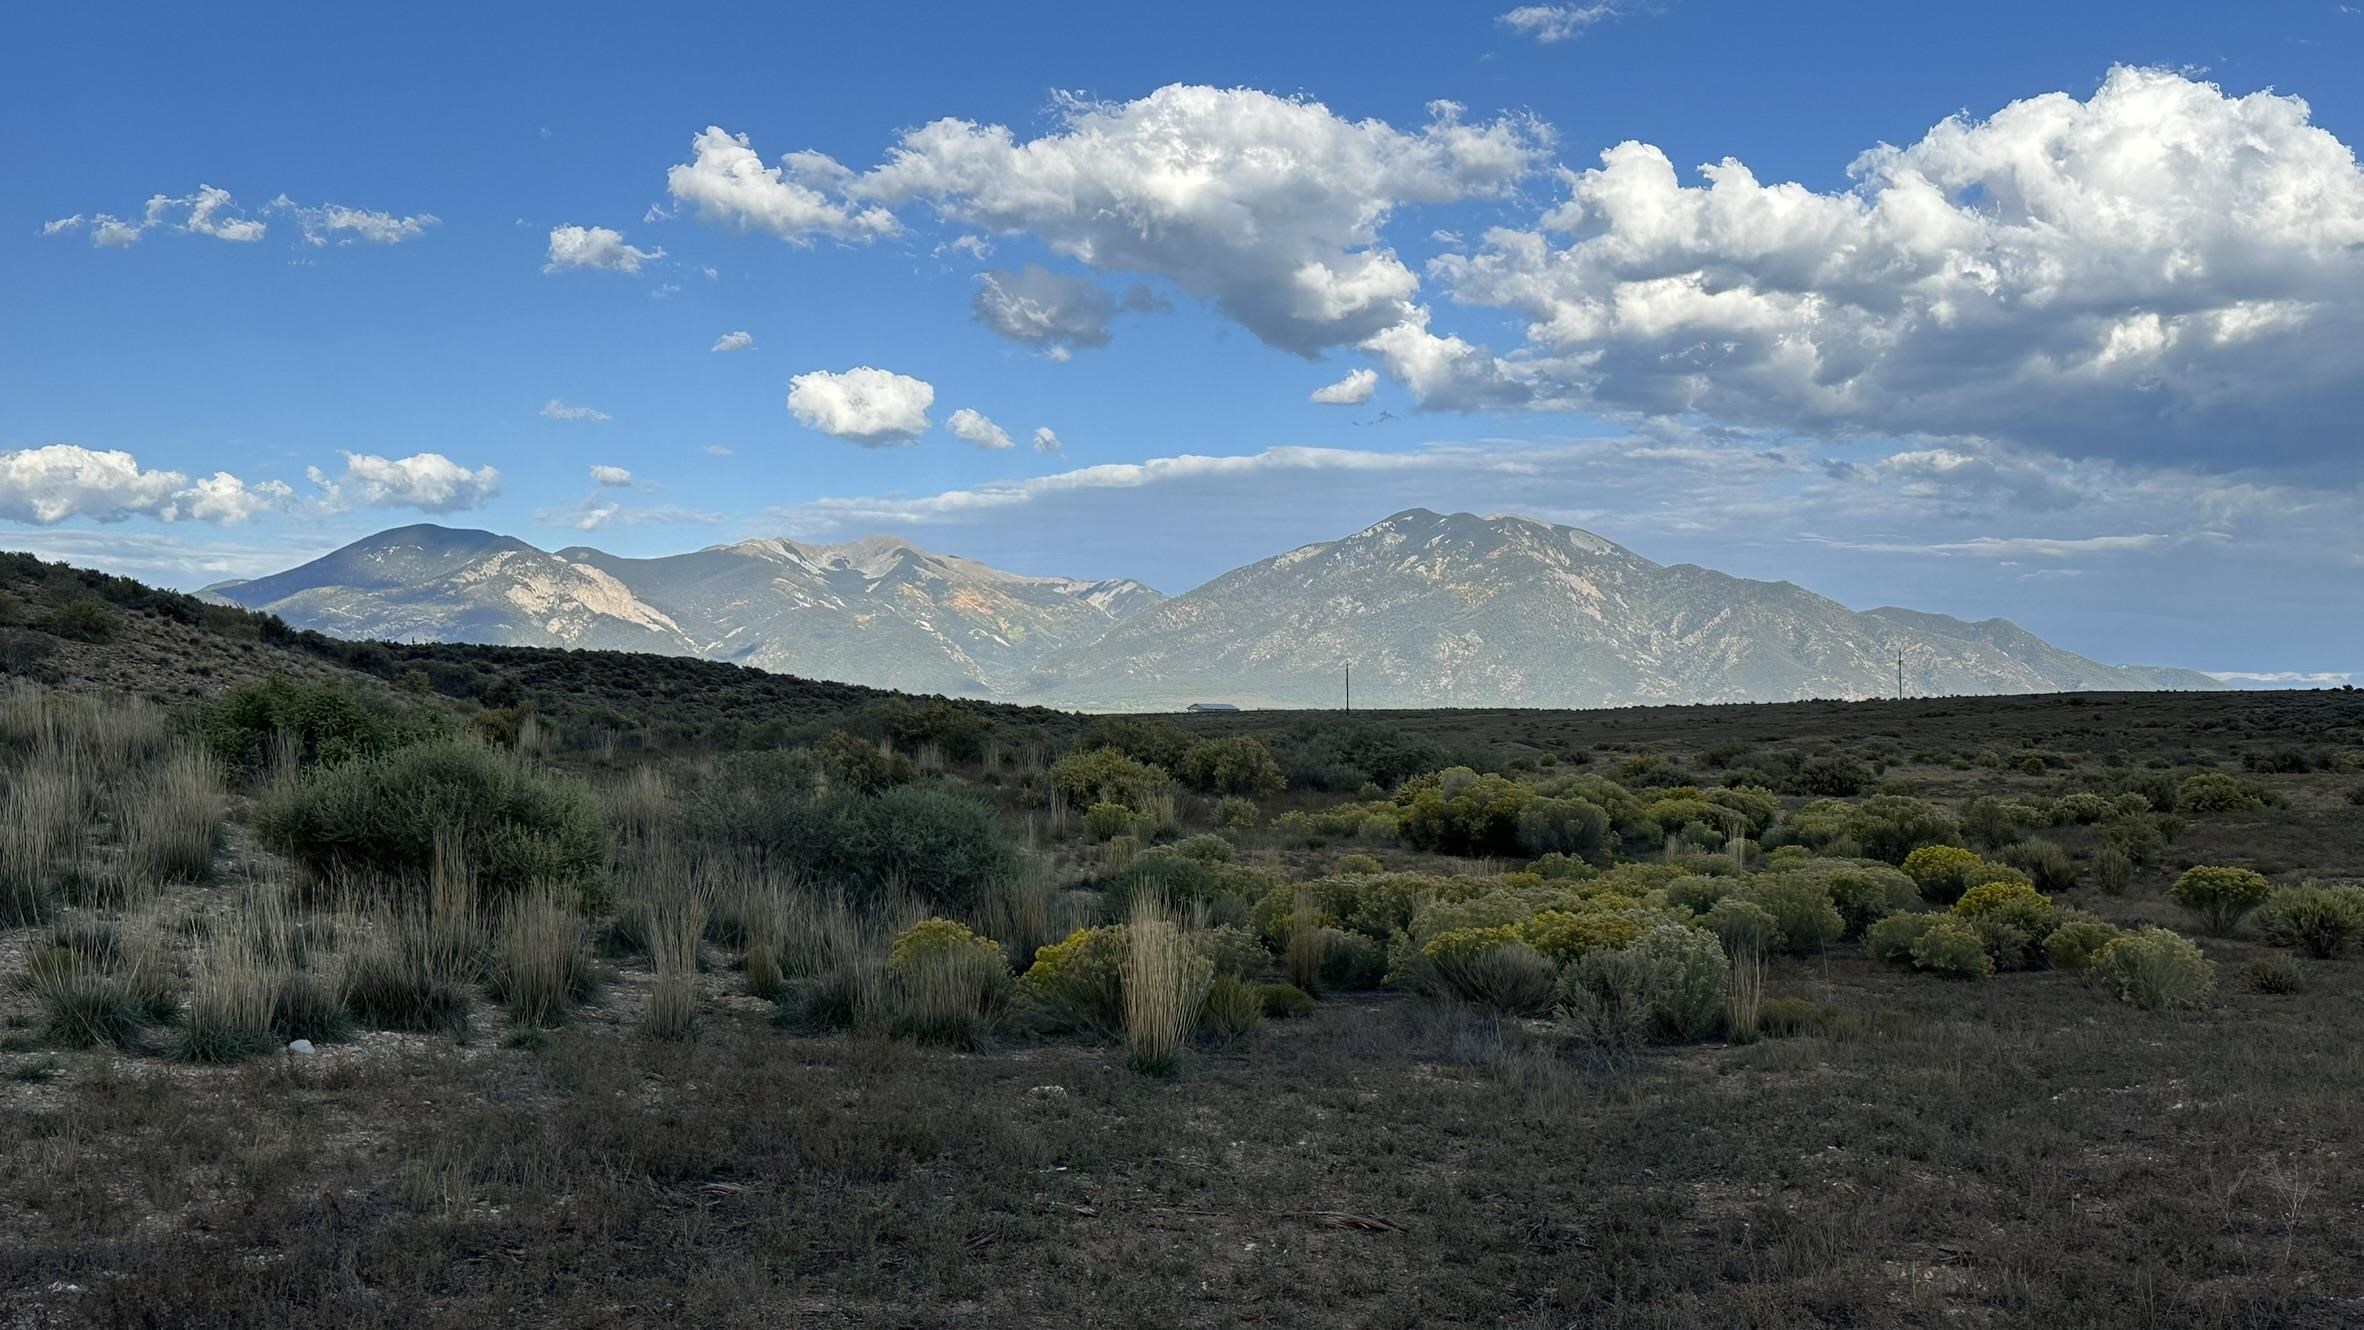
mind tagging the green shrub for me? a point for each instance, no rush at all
(324, 723)
(2220, 897)
(1744, 927)
(1150, 740)
(1953, 948)
(1800, 907)
(1458, 811)
(2275, 975)
(1106, 822)
(2076, 938)
(941, 843)
(1609, 997)
(1892, 939)
(2322, 921)
(1492, 967)
(1107, 776)
(1863, 891)
(517, 826)
(1566, 935)
(1232, 950)
(84, 619)
(1890, 827)
(1562, 826)
(1078, 983)
(1232, 1010)
(1941, 871)
(2155, 970)
(1236, 813)
(1351, 962)
(1283, 1001)
(1688, 972)
(1361, 865)
(2216, 792)
(947, 985)
(2046, 864)
(1238, 765)
(850, 765)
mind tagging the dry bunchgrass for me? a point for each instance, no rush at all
(542, 967)
(640, 805)
(44, 816)
(1306, 945)
(676, 929)
(171, 819)
(1744, 997)
(1165, 985)
(1019, 913)
(230, 1002)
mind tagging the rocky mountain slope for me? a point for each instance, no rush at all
(1430, 610)
(1433, 610)
(878, 611)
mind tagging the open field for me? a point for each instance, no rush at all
(623, 1010)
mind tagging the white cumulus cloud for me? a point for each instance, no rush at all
(47, 485)
(875, 408)
(334, 223)
(1353, 390)
(2147, 270)
(726, 181)
(615, 477)
(429, 482)
(595, 247)
(1271, 207)
(1052, 311)
(973, 427)
(1044, 440)
(735, 341)
(557, 410)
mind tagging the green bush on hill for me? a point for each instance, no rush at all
(518, 826)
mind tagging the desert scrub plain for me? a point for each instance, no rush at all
(861, 1009)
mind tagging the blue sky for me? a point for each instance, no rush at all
(2081, 350)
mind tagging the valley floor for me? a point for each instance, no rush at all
(2020, 1152)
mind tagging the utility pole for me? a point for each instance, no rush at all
(1900, 676)
(1350, 687)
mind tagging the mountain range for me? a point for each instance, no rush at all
(1428, 609)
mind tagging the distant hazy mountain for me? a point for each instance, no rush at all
(878, 611)
(1433, 610)
(1429, 610)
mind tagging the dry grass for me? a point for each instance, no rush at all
(171, 820)
(676, 929)
(1165, 984)
(542, 965)
(1744, 996)
(44, 816)
(230, 1002)
(1307, 945)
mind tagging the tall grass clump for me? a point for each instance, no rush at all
(1744, 994)
(1307, 944)
(171, 819)
(88, 1000)
(417, 965)
(678, 927)
(230, 1001)
(542, 967)
(43, 813)
(1165, 986)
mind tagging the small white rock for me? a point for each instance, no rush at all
(302, 1048)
